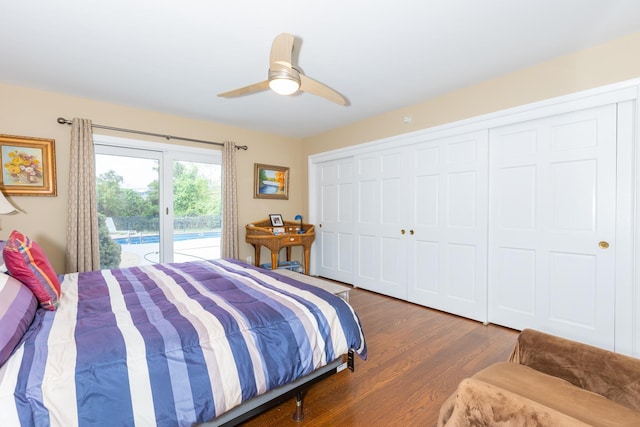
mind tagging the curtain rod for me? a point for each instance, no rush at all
(64, 121)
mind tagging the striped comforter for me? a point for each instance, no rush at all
(170, 344)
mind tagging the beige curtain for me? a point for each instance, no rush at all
(229, 245)
(82, 226)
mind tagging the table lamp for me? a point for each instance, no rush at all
(301, 231)
(5, 206)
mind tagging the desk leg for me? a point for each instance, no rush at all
(256, 255)
(274, 260)
(307, 255)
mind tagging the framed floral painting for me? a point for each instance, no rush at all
(28, 166)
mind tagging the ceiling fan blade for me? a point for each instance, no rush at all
(256, 87)
(307, 84)
(282, 49)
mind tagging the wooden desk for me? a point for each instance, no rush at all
(260, 234)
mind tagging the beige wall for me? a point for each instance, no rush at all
(603, 64)
(29, 112)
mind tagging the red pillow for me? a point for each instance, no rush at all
(27, 262)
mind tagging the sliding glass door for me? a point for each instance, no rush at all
(127, 186)
(156, 202)
(197, 211)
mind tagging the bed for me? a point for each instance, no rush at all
(173, 345)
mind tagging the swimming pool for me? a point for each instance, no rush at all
(155, 238)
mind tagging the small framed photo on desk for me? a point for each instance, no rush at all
(276, 220)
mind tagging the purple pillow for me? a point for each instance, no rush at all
(17, 309)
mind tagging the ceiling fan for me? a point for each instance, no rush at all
(284, 78)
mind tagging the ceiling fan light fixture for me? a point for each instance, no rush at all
(284, 78)
(283, 82)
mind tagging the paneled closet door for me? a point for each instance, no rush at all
(334, 230)
(447, 212)
(380, 227)
(552, 225)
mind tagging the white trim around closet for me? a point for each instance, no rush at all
(626, 95)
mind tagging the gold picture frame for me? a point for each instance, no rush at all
(271, 182)
(28, 166)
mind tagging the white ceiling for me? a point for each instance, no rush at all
(176, 56)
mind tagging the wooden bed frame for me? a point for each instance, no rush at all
(274, 397)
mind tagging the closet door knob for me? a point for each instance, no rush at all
(603, 244)
(411, 232)
(402, 231)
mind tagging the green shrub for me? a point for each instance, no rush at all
(110, 251)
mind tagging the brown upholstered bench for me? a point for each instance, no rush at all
(549, 381)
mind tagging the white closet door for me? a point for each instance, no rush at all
(447, 213)
(334, 231)
(380, 218)
(553, 206)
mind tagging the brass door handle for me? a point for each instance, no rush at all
(402, 231)
(411, 232)
(603, 244)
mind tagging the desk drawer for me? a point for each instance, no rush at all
(289, 239)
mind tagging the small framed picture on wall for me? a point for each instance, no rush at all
(271, 182)
(28, 166)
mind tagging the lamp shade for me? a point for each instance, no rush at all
(5, 206)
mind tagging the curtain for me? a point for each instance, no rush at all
(83, 250)
(229, 245)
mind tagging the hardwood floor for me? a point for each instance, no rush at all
(416, 358)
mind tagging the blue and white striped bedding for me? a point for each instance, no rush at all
(170, 344)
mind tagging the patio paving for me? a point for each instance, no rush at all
(184, 250)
